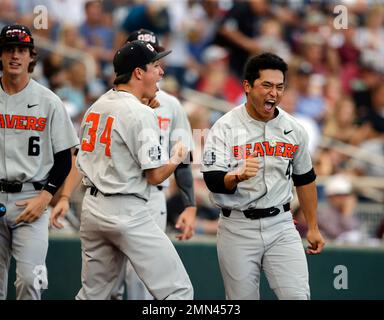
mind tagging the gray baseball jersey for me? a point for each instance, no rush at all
(174, 125)
(34, 126)
(282, 149)
(113, 153)
(120, 139)
(272, 244)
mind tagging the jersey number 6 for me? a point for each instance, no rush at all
(105, 137)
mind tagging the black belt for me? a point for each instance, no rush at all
(16, 186)
(259, 213)
(94, 191)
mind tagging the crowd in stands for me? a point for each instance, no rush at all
(335, 81)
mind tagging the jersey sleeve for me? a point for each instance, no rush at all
(302, 162)
(147, 143)
(216, 154)
(63, 134)
(180, 129)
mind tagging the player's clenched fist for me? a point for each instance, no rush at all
(249, 168)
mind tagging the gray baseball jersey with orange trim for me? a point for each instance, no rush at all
(34, 126)
(113, 160)
(282, 149)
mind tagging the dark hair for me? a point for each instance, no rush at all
(124, 78)
(263, 61)
(91, 2)
(31, 66)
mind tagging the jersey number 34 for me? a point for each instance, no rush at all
(105, 137)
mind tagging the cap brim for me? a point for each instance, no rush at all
(161, 55)
(21, 44)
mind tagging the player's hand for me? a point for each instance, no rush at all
(179, 152)
(153, 103)
(249, 168)
(315, 242)
(59, 211)
(186, 223)
(34, 207)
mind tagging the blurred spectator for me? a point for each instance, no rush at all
(348, 53)
(314, 43)
(216, 78)
(150, 15)
(372, 122)
(180, 64)
(238, 29)
(363, 86)
(70, 37)
(98, 36)
(312, 50)
(289, 104)
(202, 26)
(370, 37)
(73, 92)
(310, 102)
(53, 70)
(271, 39)
(341, 124)
(336, 220)
(372, 145)
(330, 161)
(8, 12)
(332, 92)
(376, 115)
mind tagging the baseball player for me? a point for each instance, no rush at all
(36, 138)
(174, 126)
(251, 156)
(120, 157)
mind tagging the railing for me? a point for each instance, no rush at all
(352, 151)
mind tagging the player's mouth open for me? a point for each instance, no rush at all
(269, 105)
